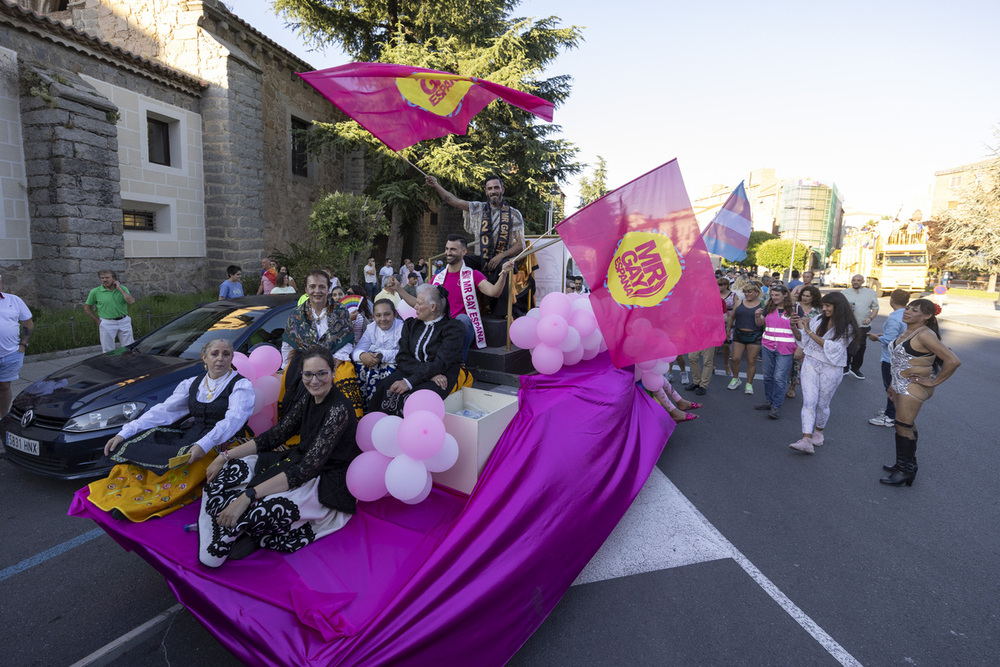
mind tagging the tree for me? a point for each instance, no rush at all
(593, 189)
(972, 231)
(776, 254)
(756, 239)
(348, 223)
(476, 38)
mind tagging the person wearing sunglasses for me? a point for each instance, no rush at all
(260, 494)
(777, 347)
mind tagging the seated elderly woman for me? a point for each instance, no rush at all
(217, 403)
(430, 353)
(375, 354)
(261, 494)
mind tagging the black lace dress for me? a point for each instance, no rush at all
(317, 502)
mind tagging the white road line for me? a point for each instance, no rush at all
(119, 647)
(663, 529)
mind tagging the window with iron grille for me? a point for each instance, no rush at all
(300, 157)
(139, 220)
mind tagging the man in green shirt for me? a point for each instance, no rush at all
(111, 300)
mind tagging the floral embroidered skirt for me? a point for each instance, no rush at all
(368, 378)
(284, 521)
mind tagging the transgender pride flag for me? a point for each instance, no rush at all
(729, 231)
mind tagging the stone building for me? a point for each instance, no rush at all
(153, 138)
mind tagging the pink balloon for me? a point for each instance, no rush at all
(572, 357)
(546, 359)
(583, 321)
(241, 363)
(571, 341)
(423, 494)
(556, 303)
(535, 313)
(652, 381)
(591, 352)
(421, 435)
(524, 332)
(405, 478)
(446, 457)
(384, 435)
(271, 411)
(259, 423)
(574, 296)
(604, 346)
(258, 401)
(266, 360)
(366, 476)
(363, 435)
(425, 399)
(405, 310)
(552, 330)
(671, 359)
(636, 371)
(269, 386)
(662, 367)
(594, 339)
(583, 304)
(647, 365)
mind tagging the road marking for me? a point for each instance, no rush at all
(663, 529)
(57, 550)
(119, 647)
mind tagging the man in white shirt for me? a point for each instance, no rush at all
(864, 301)
(371, 278)
(15, 333)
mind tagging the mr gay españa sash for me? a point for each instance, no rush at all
(470, 299)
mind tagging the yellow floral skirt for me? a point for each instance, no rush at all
(140, 494)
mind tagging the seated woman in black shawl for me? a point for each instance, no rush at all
(430, 353)
(263, 494)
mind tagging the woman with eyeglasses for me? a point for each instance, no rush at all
(777, 347)
(320, 320)
(260, 494)
(747, 335)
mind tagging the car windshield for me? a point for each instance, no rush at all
(185, 336)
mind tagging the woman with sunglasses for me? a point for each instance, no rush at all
(260, 494)
(777, 347)
(746, 335)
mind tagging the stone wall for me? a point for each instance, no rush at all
(428, 240)
(169, 275)
(71, 163)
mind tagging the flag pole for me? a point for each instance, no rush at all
(410, 163)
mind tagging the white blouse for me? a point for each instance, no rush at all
(175, 408)
(833, 352)
(375, 339)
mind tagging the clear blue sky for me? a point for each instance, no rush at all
(874, 95)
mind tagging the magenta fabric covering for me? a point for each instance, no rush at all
(449, 581)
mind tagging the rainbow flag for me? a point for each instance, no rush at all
(403, 105)
(729, 231)
(654, 290)
(352, 301)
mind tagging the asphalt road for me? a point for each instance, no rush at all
(768, 557)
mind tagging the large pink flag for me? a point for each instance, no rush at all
(402, 105)
(654, 289)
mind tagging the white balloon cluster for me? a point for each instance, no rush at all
(561, 332)
(651, 372)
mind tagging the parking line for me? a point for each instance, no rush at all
(57, 550)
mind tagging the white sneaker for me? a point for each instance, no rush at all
(803, 445)
(733, 384)
(685, 378)
(748, 389)
(882, 420)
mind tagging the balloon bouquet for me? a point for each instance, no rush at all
(398, 455)
(259, 367)
(562, 331)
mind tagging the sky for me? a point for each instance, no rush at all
(874, 96)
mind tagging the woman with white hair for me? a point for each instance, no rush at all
(430, 353)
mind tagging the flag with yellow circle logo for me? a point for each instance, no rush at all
(653, 287)
(402, 105)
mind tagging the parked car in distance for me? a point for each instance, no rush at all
(58, 426)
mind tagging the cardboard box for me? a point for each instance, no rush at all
(476, 437)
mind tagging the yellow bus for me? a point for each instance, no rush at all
(890, 260)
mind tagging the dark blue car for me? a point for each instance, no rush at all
(58, 426)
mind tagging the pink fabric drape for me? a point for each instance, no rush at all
(449, 581)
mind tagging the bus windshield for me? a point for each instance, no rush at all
(906, 260)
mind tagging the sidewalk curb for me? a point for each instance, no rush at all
(59, 354)
(110, 652)
(970, 325)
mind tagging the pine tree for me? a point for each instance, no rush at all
(592, 189)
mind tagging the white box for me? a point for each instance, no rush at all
(476, 437)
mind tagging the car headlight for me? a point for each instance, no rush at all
(110, 417)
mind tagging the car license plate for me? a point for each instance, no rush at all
(22, 444)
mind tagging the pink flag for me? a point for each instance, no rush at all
(402, 105)
(654, 289)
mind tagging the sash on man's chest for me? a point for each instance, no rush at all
(486, 247)
(470, 299)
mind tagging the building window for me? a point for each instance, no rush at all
(158, 133)
(956, 182)
(434, 218)
(300, 157)
(144, 221)
(952, 205)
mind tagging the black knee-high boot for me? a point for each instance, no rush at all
(906, 462)
(893, 466)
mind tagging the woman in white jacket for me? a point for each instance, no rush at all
(824, 340)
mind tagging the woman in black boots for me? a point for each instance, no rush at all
(920, 362)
